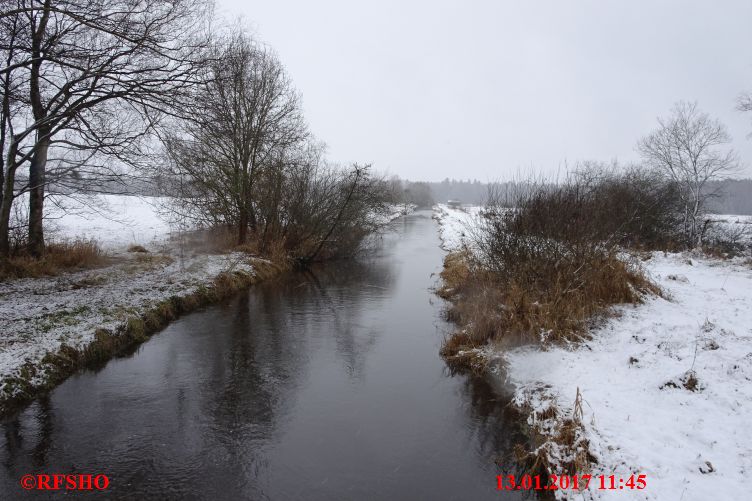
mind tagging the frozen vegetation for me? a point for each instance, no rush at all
(666, 385)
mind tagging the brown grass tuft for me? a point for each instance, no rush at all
(535, 302)
(455, 273)
(58, 257)
(150, 259)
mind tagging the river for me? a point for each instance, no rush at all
(323, 385)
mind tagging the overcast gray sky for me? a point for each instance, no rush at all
(488, 89)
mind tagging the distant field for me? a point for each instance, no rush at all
(115, 221)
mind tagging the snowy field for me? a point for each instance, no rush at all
(118, 221)
(733, 227)
(639, 415)
(115, 221)
(731, 219)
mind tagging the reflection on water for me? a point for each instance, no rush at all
(324, 385)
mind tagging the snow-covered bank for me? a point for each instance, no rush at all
(40, 315)
(393, 212)
(456, 226)
(643, 413)
(665, 385)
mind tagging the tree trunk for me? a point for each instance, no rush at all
(243, 226)
(243, 207)
(6, 202)
(695, 212)
(39, 159)
(36, 196)
(5, 208)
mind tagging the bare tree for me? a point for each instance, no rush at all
(13, 82)
(744, 104)
(689, 148)
(97, 77)
(245, 160)
(245, 122)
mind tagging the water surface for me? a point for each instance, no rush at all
(323, 385)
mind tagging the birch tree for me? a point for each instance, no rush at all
(690, 148)
(744, 104)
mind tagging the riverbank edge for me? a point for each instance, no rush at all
(555, 439)
(129, 334)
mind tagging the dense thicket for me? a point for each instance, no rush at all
(542, 270)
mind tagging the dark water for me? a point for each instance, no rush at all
(325, 386)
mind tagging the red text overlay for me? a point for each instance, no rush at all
(65, 482)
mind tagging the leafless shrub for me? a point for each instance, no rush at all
(597, 205)
(544, 270)
(726, 239)
(690, 149)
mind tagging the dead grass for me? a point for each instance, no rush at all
(137, 248)
(538, 303)
(58, 257)
(154, 259)
(557, 441)
(455, 274)
(275, 252)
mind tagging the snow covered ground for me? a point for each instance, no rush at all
(642, 414)
(39, 315)
(731, 219)
(456, 226)
(115, 221)
(731, 227)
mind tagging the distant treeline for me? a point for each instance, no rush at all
(731, 196)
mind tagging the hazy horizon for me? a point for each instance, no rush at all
(430, 90)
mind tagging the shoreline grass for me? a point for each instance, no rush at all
(65, 255)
